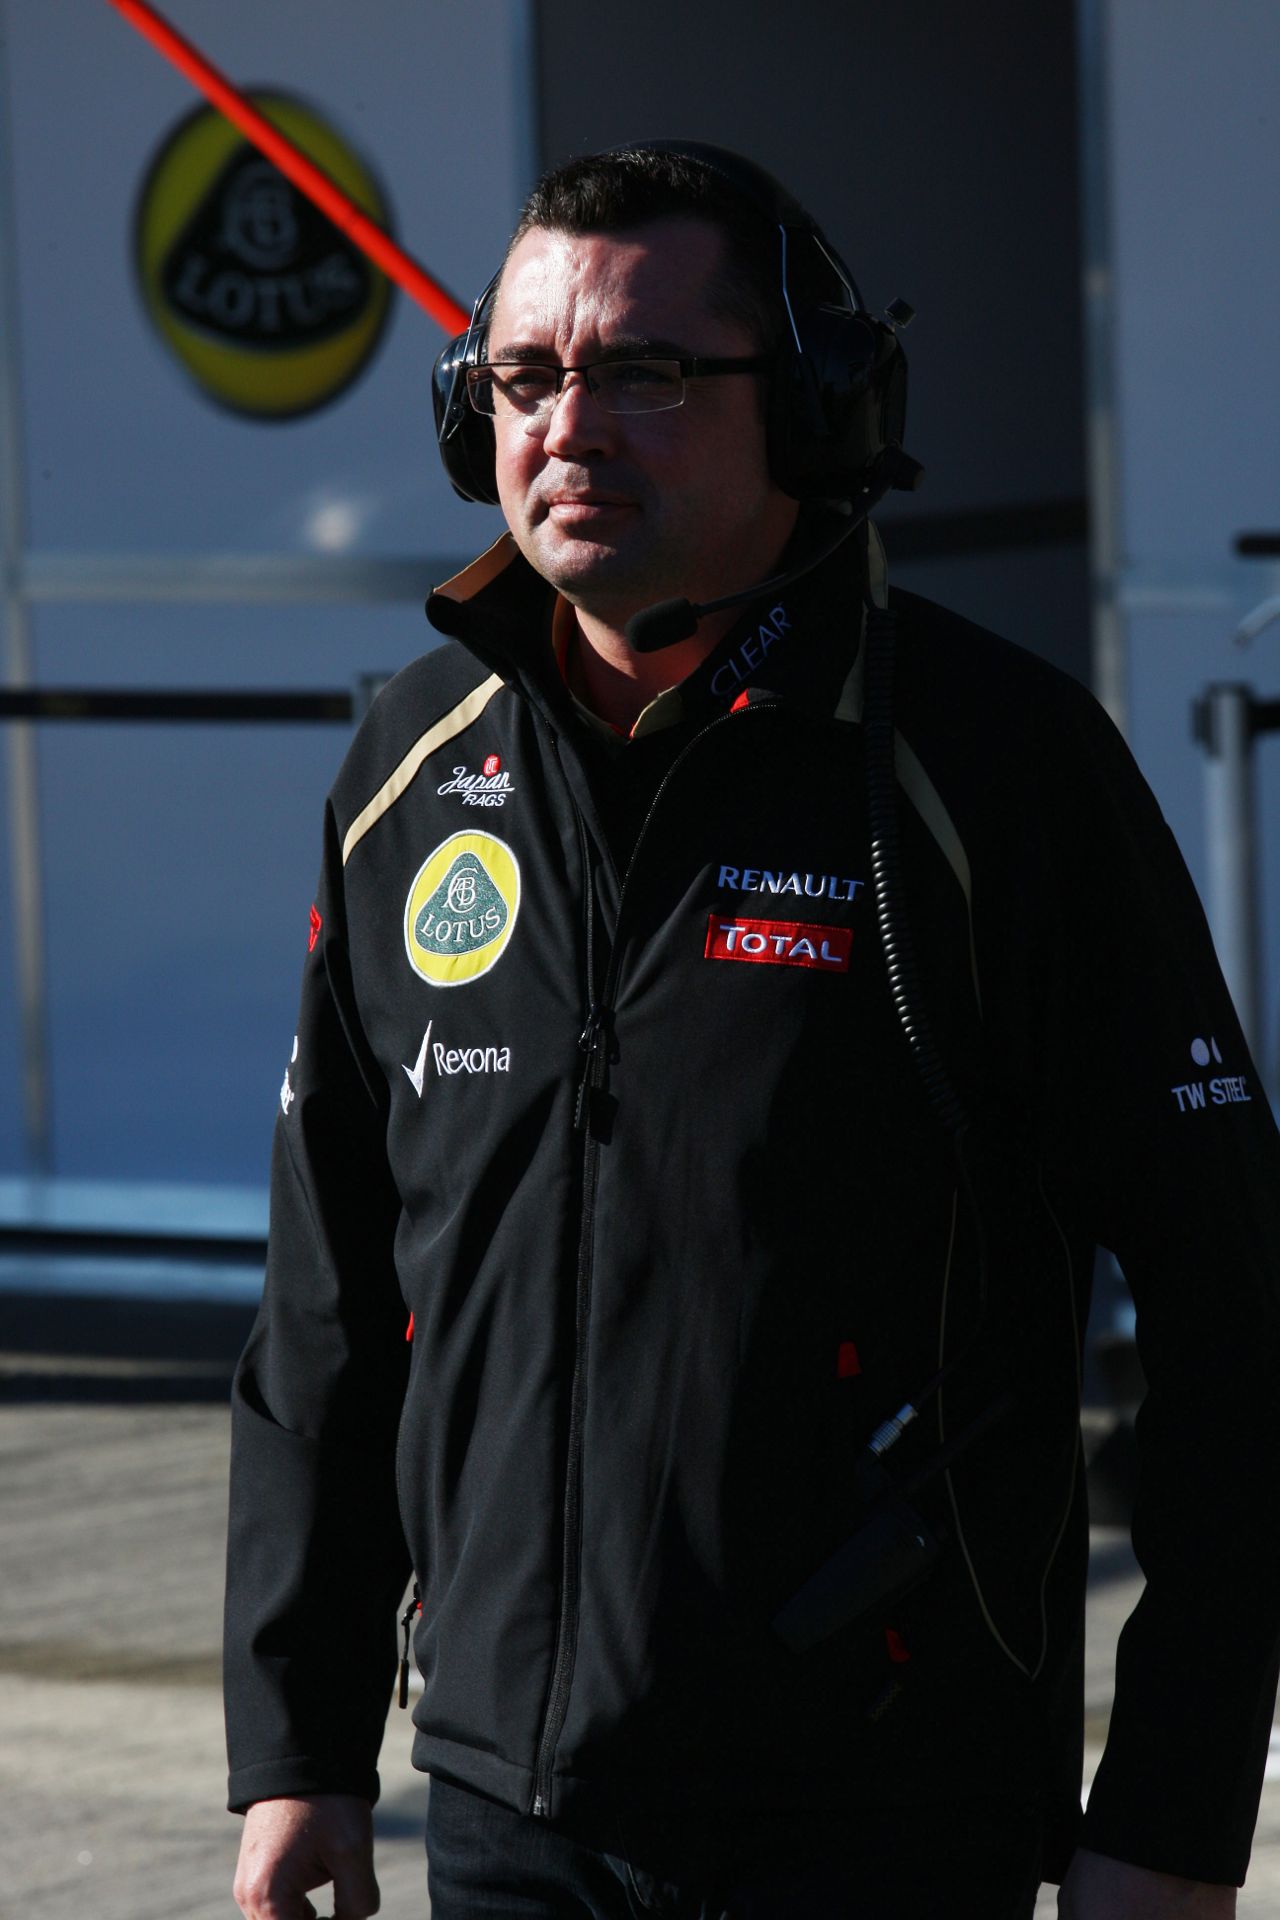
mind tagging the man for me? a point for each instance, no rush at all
(737, 1170)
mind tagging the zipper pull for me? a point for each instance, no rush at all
(596, 1042)
(596, 1036)
(406, 1624)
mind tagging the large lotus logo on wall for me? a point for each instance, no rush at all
(266, 304)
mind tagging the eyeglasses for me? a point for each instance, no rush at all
(618, 386)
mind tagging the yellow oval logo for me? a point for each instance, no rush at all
(462, 908)
(265, 303)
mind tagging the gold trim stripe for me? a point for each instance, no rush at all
(430, 742)
(477, 574)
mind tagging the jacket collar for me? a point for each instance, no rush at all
(803, 648)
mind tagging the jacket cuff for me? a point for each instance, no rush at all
(292, 1777)
(1178, 1786)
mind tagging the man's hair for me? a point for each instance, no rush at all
(614, 192)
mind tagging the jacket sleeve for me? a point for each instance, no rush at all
(1159, 1126)
(316, 1561)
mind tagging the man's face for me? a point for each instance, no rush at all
(621, 510)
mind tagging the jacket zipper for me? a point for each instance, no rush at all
(597, 1043)
(600, 1019)
(594, 1035)
(566, 1626)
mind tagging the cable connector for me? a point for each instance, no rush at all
(890, 1431)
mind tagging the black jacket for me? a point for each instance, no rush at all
(598, 1077)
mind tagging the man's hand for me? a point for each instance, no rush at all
(1097, 1888)
(289, 1847)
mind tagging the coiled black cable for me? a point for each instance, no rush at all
(893, 1548)
(899, 954)
(886, 874)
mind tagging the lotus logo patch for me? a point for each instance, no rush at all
(462, 909)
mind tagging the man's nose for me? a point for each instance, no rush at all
(576, 425)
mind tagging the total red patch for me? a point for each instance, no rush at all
(778, 943)
(896, 1647)
(314, 935)
(848, 1365)
(492, 764)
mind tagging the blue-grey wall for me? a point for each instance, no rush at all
(1192, 149)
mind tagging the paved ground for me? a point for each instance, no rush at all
(112, 1472)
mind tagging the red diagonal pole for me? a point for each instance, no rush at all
(296, 166)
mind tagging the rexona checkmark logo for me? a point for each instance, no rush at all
(461, 909)
(417, 1071)
(452, 1060)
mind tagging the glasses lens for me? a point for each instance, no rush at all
(480, 389)
(521, 389)
(637, 386)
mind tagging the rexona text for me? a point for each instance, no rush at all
(471, 1059)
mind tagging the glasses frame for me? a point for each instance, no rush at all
(700, 367)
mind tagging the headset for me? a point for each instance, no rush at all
(837, 393)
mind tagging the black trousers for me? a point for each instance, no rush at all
(486, 1862)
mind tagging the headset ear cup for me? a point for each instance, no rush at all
(841, 403)
(893, 384)
(464, 437)
(796, 422)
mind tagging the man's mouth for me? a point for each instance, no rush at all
(588, 508)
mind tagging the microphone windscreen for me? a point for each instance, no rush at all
(662, 626)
